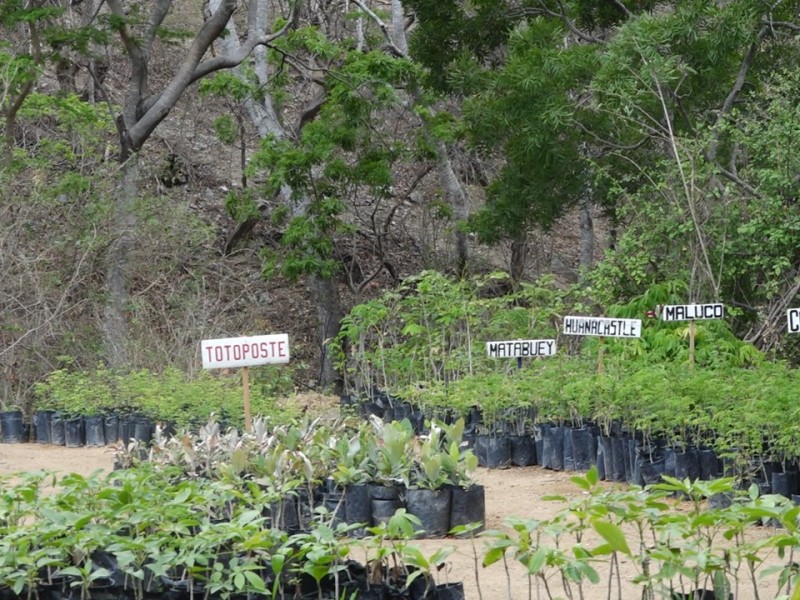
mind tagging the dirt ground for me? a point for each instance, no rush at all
(517, 492)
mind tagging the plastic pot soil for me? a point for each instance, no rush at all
(601, 462)
(539, 432)
(569, 453)
(553, 449)
(582, 448)
(125, 429)
(57, 433)
(334, 503)
(630, 456)
(493, 452)
(379, 491)
(111, 427)
(468, 506)
(650, 468)
(708, 464)
(523, 450)
(687, 465)
(142, 430)
(449, 591)
(383, 510)
(11, 427)
(669, 461)
(284, 515)
(74, 433)
(357, 504)
(432, 508)
(785, 483)
(95, 430)
(41, 426)
(376, 592)
(619, 451)
(604, 447)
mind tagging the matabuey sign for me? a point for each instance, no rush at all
(521, 348)
(602, 327)
(692, 312)
(228, 353)
(793, 320)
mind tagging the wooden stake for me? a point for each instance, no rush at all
(692, 333)
(248, 419)
(600, 366)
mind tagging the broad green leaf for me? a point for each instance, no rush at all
(613, 535)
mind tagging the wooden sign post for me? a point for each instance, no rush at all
(602, 327)
(244, 352)
(691, 313)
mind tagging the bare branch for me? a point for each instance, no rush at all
(738, 84)
(562, 14)
(384, 28)
(623, 9)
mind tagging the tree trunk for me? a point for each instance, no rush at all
(457, 198)
(329, 313)
(519, 254)
(586, 258)
(118, 261)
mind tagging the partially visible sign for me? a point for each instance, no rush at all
(245, 351)
(521, 348)
(692, 312)
(603, 327)
(793, 320)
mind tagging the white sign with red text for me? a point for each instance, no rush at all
(245, 351)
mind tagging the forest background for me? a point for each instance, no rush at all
(175, 170)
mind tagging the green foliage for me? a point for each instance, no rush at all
(671, 547)
(527, 109)
(434, 329)
(170, 396)
(339, 158)
(448, 31)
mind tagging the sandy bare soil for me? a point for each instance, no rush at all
(517, 492)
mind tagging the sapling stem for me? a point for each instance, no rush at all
(547, 587)
(475, 566)
(508, 577)
(752, 568)
(619, 579)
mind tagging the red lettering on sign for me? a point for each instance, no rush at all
(281, 349)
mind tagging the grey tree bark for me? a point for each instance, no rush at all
(453, 189)
(323, 288)
(586, 256)
(143, 110)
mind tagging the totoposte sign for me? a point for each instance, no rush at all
(227, 353)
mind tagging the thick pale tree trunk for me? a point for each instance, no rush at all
(118, 264)
(324, 289)
(456, 197)
(143, 111)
